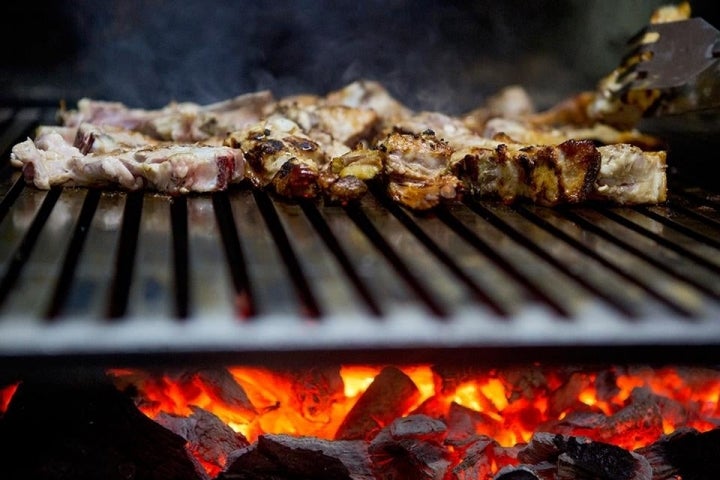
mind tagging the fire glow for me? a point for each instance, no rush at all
(628, 407)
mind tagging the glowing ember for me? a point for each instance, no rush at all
(627, 407)
(6, 393)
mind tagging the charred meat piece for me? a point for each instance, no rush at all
(51, 161)
(281, 156)
(546, 175)
(416, 166)
(343, 178)
(346, 125)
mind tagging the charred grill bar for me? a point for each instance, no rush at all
(116, 277)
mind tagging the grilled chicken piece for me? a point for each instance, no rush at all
(51, 161)
(180, 122)
(372, 95)
(546, 175)
(326, 123)
(90, 138)
(280, 155)
(343, 178)
(416, 167)
(524, 132)
(511, 102)
(629, 175)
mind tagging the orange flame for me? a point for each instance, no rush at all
(510, 405)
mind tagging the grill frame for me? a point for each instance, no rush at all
(362, 283)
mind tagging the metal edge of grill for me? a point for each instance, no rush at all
(91, 276)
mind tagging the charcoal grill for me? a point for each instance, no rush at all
(118, 278)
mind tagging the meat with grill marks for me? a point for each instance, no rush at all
(546, 175)
(281, 156)
(303, 149)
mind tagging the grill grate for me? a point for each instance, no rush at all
(239, 274)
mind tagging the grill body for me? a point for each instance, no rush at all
(240, 276)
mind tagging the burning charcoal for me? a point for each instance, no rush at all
(410, 447)
(316, 389)
(388, 397)
(82, 427)
(476, 463)
(686, 454)
(434, 406)
(542, 447)
(464, 424)
(524, 382)
(277, 457)
(210, 439)
(606, 385)
(567, 396)
(580, 458)
(221, 385)
(640, 422)
(520, 472)
(449, 377)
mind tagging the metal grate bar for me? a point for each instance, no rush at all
(309, 304)
(616, 302)
(445, 258)
(531, 286)
(537, 249)
(424, 295)
(687, 231)
(638, 253)
(332, 243)
(702, 217)
(244, 298)
(179, 222)
(72, 255)
(663, 240)
(21, 255)
(125, 256)
(10, 197)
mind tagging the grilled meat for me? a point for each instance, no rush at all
(416, 166)
(629, 175)
(546, 175)
(107, 138)
(50, 160)
(305, 146)
(369, 95)
(179, 122)
(333, 123)
(280, 155)
(523, 131)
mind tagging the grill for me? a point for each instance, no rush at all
(123, 278)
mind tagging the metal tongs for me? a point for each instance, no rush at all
(680, 62)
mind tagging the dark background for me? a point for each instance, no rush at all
(443, 55)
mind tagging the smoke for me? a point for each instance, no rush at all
(431, 54)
